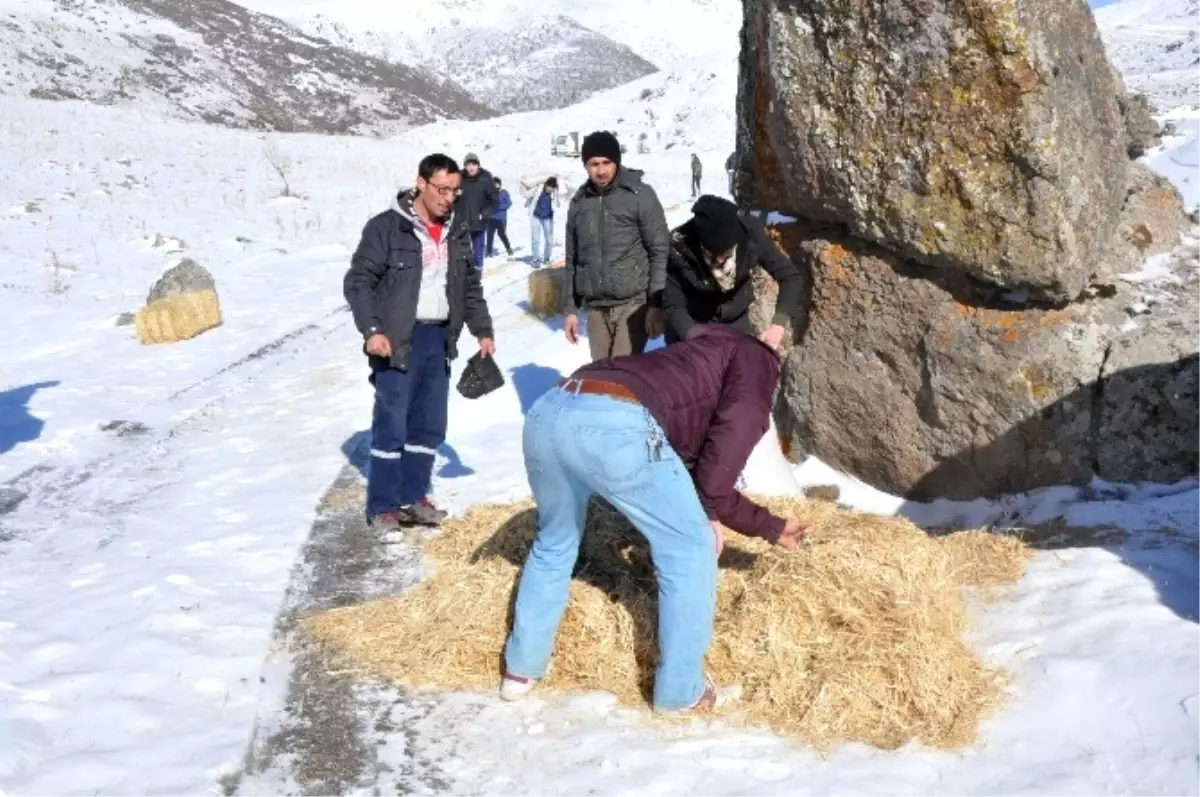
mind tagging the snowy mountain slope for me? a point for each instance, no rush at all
(664, 32)
(213, 61)
(1156, 46)
(527, 62)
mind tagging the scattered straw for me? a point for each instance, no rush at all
(857, 636)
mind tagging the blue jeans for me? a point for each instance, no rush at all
(577, 445)
(542, 230)
(478, 246)
(409, 421)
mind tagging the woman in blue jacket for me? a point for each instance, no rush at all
(498, 223)
(542, 223)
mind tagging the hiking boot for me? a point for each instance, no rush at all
(713, 697)
(515, 687)
(422, 513)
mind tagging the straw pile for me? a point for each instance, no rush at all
(178, 317)
(859, 635)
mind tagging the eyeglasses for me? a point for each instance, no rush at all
(445, 191)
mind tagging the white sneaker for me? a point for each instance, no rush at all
(515, 687)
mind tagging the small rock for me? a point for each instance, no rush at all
(125, 428)
(186, 277)
(823, 492)
(125, 319)
(10, 499)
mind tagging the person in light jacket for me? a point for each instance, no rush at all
(541, 224)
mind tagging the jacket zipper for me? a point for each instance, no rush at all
(600, 287)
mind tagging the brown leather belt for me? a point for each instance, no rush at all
(597, 387)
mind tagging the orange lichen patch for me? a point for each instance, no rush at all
(832, 257)
(785, 445)
(1012, 325)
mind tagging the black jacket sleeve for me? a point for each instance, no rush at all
(475, 308)
(652, 222)
(782, 270)
(367, 268)
(675, 300)
(490, 198)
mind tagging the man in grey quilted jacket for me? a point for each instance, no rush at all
(617, 244)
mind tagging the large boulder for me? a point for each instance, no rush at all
(182, 304)
(919, 387)
(978, 136)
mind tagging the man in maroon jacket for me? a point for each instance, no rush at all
(663, 437)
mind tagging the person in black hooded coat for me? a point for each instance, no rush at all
(708, 273)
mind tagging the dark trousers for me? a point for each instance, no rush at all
(695, 185)
(477, 246)
(497, 227)
(409, 421)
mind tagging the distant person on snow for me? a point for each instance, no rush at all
(697, 172)
(731, 170)
(498, 222)
(411, 288)
(708, 273)
(477, 203)
(616, 254)
(542, 224)
(662, 437)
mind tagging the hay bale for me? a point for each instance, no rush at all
(859, 636)
(546, 287)
(178, 317)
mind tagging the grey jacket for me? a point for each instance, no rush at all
(384, 282)
(617, 245)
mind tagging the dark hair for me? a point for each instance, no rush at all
(436, 162)
(496, 180)
(551, 182)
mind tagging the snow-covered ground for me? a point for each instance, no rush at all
(142, 572)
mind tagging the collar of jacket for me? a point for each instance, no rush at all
(403, 204)
(627, 178)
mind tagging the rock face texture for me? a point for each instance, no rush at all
(967, 209)
(182, 304)
(983, 136)
(912, 385)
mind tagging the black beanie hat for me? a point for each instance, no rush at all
(601, 144)
(717, 225)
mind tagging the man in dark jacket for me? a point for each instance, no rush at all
(616, 254)
(477, 203)
(697, 173)
(662, 437)
(498, 222)
(708, 273)
(411, 287)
